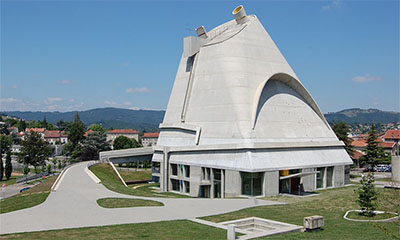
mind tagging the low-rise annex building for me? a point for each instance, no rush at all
(129, 133)
(239, 122)
(150, 139)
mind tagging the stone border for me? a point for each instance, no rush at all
(376, 212)
(90, 173)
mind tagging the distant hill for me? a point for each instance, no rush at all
(149, 120)
(107, 117)
(364, 116)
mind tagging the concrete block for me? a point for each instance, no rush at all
(271, 183)
(313, 222)
(396, 168)
(233, 183)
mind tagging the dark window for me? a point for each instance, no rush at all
(175, 184)
(187, 171)
(320, 177)
(174, 169)
(329, 177)
(187, 187)
(252, 183)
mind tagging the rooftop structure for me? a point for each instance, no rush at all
(239, 122)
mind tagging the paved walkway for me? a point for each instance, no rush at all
(13, 189)
(74, 205)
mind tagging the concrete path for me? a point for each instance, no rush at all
(13, 189)
(74, 205)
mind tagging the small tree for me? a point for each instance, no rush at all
(49, 168)
(1, 167)
(122, 142)
(367, 195)
(8, 166)
(374, 153)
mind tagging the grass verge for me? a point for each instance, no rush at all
(180, 229)
(332, 204)
(132, 176)
(358, 216)
(9, 181)
(126, 203)
(32, 197)
(111, 181)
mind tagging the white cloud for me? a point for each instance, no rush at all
(9, 100)
(64, 82)
(365, 78)
(332, 5)
(14, 86)
(127, 103)
(111, 103)
(51, 100)
(138, 89)
(134, 108)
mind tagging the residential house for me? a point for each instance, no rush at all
(129, 133)
(150, 139)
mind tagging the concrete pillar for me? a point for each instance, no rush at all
(308, 181)
(233, 183)
(338, 176)
(165, 169)
(396, 168)
(271, 183)
(231, 232)
(195, 178)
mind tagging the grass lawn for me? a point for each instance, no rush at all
(136, 175)
(32, 197)
(180, 229)
(384, 180)
(332, 204)
(356, 215)
(9, 181)
(111, 181)
(126, 202)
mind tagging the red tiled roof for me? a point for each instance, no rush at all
(88, 132)
(63, 134)
(392, 134)
(39, 130)
(359, 143)
(151, 135)
(51, 134)
(357, 155)
(123, 131)
(387, 144)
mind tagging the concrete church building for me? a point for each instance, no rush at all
(240, 123)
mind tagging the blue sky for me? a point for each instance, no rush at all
(78, 55)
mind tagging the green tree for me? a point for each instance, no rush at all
(97, 128)
(21, 125)
(76, 131)
(341, 130)
(93, 144)
(8, 168)
(122, 142)
(367, 195)
(374, 154)
(44, 122)
(61, 125)
(1, 167)
(34, 150)
(5, 144)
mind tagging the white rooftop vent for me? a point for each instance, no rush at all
(240, 14)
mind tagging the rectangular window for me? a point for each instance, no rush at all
(320, 177)
(252, 183)
(329, 177)
(175, 184)
(174, 169)
(217, 183)
(187, 171)
(205, 173)
(155, 168)
(187, 187)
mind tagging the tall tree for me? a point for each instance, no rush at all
(341, 130)
(1, 167)
(5, 143)
(76, 131)
(61, 125)
(94, 143)
(21, 125)
(8, 168)
(34, 150)
(97, 128)
(374, 154)
(44, 122)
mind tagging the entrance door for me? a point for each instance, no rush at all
(205, 191)
(294, 185)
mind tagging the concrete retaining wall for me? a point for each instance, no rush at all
(396, 168)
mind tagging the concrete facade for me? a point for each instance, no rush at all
(242, 122)
(396, 168)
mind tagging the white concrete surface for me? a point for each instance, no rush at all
(74, 205)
